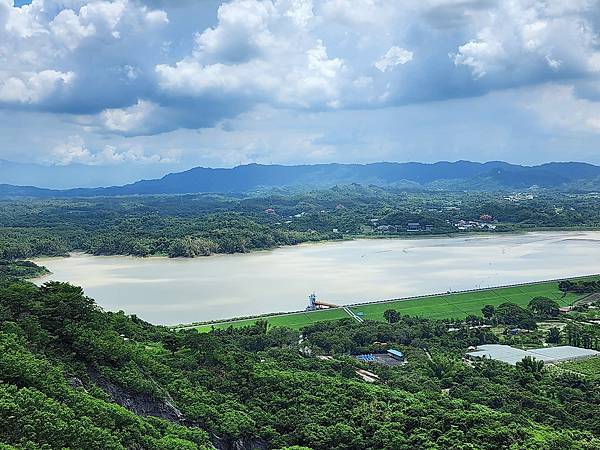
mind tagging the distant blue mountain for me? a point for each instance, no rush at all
(459, 175)
(76, 175)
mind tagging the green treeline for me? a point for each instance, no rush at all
(65, 365)
(143, 236)
(580, 286)
(197, 225)
(20, 270)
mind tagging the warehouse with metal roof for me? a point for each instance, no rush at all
(511, 355)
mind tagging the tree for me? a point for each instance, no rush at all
(543, 307)
(472, 320)
(566, 285)
(391, 315)
(441, 367)
(190, 247)
(531, 365)
(171, 342)
(235, 423)
(553, 335)
(513, 314)
(249, 386)
(488, 311)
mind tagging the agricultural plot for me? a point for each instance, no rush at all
(461, 304)
(590, 368)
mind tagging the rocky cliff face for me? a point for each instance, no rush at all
(145, 404)
(240, 444)
(142, 404)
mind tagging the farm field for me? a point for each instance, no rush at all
(461, 304)
(444, 306)
(590, 368)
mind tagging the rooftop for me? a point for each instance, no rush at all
(511, 355)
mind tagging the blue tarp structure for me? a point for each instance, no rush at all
(396, 354)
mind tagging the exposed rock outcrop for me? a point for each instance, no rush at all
(140, 403)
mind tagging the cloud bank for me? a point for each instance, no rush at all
(117, 73)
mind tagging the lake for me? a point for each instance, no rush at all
(170, 291)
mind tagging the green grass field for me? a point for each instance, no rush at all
(293, 320)
(459, 305)
(589, 368)
(446, 306)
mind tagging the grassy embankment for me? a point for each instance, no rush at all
(445, 306)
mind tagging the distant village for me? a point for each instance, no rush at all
(518, 197)
(411, 227)
(485, 222)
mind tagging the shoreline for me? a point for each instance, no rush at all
(350, 238)
(218, 306)
(184, 326)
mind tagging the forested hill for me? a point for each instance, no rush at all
(74, 376)
(460, 175)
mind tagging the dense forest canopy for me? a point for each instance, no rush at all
(197, 225)
(74, 376)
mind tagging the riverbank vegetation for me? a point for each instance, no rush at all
(74, 376)
(10, 270)
(197, 225)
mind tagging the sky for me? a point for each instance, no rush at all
(157, 85)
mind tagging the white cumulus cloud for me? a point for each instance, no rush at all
(557, 105)
(26, 88)
(259, 51)
(126, 120)
(393, 57)
(75, 151)
(119, 70)
(521, 39)
(41, 46)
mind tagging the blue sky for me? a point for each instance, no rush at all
(167, 85)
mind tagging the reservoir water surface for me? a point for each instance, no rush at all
(170, 291)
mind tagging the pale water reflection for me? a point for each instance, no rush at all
(170, 291)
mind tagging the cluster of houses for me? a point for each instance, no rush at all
(519, 197)
(411, 227)
(466, 225)
(485, 222)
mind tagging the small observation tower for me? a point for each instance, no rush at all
(314, 304)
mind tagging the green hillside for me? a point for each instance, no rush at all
(75, 377)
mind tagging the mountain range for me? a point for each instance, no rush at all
(77, 175)
(459, 175)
